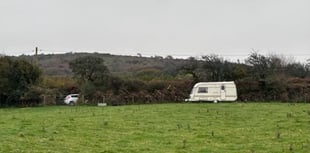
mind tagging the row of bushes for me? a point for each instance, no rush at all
(158, 91)
(52, 90)
(280, 89)
(147, 92)
(275, 89)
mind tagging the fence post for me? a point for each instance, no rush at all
(83, 99)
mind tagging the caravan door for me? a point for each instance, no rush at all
(223, 92)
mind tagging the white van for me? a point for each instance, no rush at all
(214, 91)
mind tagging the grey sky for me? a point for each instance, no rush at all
(156, 27)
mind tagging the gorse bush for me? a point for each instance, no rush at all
(17, 77)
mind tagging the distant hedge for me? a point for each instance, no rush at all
(147, 92)
(275, 89)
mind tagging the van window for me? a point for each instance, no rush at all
(203, 90)
(222, 87)
(74, 96)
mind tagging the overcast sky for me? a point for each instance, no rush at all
(229, 28)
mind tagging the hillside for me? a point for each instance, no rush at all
(58, 64)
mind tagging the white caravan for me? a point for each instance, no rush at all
(213, 91)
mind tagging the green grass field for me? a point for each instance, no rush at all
(162, 128)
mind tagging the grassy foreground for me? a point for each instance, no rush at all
(162, 128)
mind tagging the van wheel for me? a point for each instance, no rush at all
(215, 101)
(71, 103)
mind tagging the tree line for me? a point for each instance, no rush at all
(259, 78)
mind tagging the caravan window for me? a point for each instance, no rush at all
(222, 87)
(203, 90)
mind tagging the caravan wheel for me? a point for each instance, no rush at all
(215, 101)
